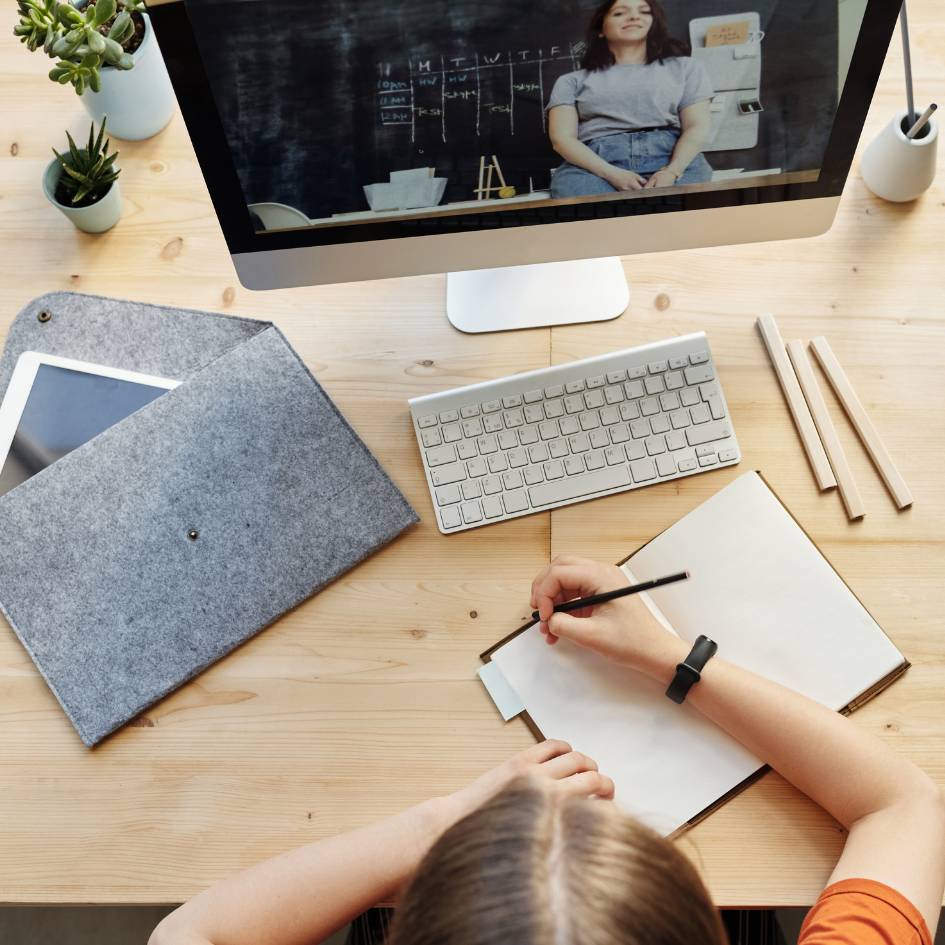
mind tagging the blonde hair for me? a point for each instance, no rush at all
(531, 868)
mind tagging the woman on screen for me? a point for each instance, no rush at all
(636, 115)
(535, 852)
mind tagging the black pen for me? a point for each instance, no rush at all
(613, 595)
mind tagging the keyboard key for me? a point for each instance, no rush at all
(549, 429)
(553, 470)
(534, 413)
(491, 406)
(447, 495)
(451, 433)
(699, 413)
(487, 444)
(513, 400)
(449, 416)
(594, 460)
(640, 428)
(613, 395)
(708, 460)
(649, 407)
(441, 455)
(680, 419)
(666, 465)
(629, 411)
(678, 363)
(633, 389)
(589, 421)
(675, 440)
(619, 433)
(533, 396)
(636, 372)
(580, 443)
(635, 450)
(466, 449)
(705, 451)
(708, 390)
(594, 382)
(670, 401)
(471, 410)
(507, 440)
(431, 438)
(655, 445)
(493, 423)
(594, 399)
(472, 512)
(534, 475)
(690, 397)
(569, 426)
(554, 408)
(700, 357)
(674, 380)
(491, 485)
(687, 465)
(609, 415)
(425, 422)
(616, 377)
(513, 419)
(574, 404)
(643, 470)
(599, 439)
(447, 475)
(512, 479)
(450, 517)
(727, 456)
(574, 465)
(472, 489)
(655, 385)
(518, 458)
(699, 375)
(477, 467)
(515, 502)
(498, 463)
(538, 453)
(707, 432)
(614, 455)
(556, 391)
(612, 477)
(715, 407)
(492, 506)
(660, 423)
(472, 428)
(657, 367)
(528, 435)
(574, 387)
(558, 448)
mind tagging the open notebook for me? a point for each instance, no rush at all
(763, 591)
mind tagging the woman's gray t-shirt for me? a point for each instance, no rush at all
(624, 97)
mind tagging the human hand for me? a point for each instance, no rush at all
(625, 180)
(625, 630)
(551, 765)
(664, 177)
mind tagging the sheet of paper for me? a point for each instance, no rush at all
(727, 34)
(765, 594)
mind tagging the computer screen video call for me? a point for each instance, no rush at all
(344, 112)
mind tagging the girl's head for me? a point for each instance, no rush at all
(532, 868)
(629, 22)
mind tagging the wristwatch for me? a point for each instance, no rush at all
(689, 672)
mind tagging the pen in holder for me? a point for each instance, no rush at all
(897, 167)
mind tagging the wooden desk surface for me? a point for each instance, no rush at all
(330, 718)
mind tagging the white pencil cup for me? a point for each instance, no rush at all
(897, 168)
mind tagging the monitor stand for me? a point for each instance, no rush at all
(563, 293)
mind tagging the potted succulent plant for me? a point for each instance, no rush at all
(107, 51)
(83, 183)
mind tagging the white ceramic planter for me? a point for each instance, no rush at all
(139, 102)
(897, 168)
(97, 218)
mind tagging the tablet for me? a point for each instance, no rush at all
(54, 405)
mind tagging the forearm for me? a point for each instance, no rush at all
(690, 144)
(303, 896)
(580, 155)
(849, 772)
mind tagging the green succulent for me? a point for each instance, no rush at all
(88, 172)
(82, 37)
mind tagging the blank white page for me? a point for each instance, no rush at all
(765, 594)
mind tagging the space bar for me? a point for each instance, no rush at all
(575, 486)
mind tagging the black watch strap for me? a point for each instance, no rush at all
(689, 672)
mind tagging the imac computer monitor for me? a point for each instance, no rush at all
(344, 140)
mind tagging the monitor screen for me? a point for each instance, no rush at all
(339, 115)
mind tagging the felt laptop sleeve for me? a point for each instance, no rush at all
(148, 553)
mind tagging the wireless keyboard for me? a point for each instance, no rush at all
(540, 440)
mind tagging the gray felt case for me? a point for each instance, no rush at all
(99, 577)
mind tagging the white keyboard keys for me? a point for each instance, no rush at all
(612, 477)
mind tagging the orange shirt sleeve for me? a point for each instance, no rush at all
(863, 912)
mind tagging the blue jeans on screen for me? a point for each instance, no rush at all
(644, 152)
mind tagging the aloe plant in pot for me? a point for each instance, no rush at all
(107, 51)
(82, 183)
